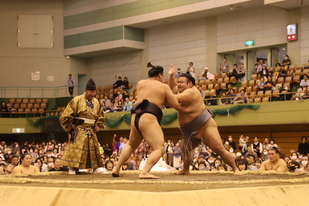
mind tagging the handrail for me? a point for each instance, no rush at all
(34, 91)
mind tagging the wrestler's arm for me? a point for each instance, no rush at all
(171, 79)
(170, 98)
(185, 97)
(262, 168)
(282, 166)
(16, 170)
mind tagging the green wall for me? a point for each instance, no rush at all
(289, 112)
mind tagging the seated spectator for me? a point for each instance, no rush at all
(201, 166)
(109, 165)
(118, 96)
(250, 152)
(241, 72)
(304, 82)
(15, 160)
(118, 83)
(277, 64)
(40, 165)
(306, 93)
(58, 166)
(234, 72)
(8, 168)
(206, 75)
(8, 155)
(241, 98)
(125, 95)
(258, 163)
(269, 84)
(264, 72)
(293, 166)
(25, 167)
(242, 164)
(285, 93)
(261, 85)
(286, 61)
(231, 95)
(210, 100)
(125, 84)
(221, 167)
(274, 163)
(299, 94)
(4, 108)
(223, 100)
(202, 92)
(118, 106)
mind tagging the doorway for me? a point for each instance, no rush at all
(82, 81)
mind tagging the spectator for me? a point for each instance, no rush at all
(306, 93)
(177, 155)
(125, 84)
(254, 70)
(118, 83)
(70, 83)
(250, 152)
(293, 166)
(118, 106)
(260, 66)
(264, 72)
(25, 167)
(8, 169)
(304, 82)
(123, 145)
(223, 100)
(206, 75)
(274, 163)
(261, 85)
(125, 95)
(109, 165)
(234, 72)
(277, 64)
(258, 163)
(8, 155)
(231, 95)
(257, 146)
(303, 146)
(178, 73)
(242, 164)
(269, 85)
(210, 99)
(15, 160)
(241, 72)
(231, 142)
(58, 166)
(202, 92)
(191, 70)
(224, 66)
(241, 98)
(127, 105)
(4, 108)
(286, 61)
(40, 165)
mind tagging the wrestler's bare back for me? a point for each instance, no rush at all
(155, 92)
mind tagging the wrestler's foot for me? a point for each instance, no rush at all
(115, 174)
(148, 176)
(182, 172)
(237, 171)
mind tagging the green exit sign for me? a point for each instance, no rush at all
(249, 43)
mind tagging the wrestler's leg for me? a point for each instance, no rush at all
(187, 145)
(209, 134)
(153, 135)
(135, 139)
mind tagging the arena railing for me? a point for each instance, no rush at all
(34, 92)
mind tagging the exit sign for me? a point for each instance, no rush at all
(249, 43)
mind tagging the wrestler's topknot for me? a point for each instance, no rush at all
(155, 70)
